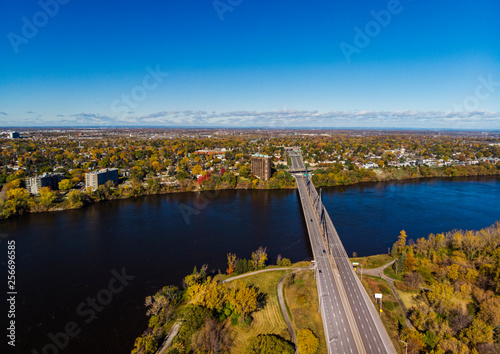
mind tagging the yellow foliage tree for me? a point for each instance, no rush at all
(307, 342)
(231, 263)
(47, 197)
(196, 170)
(66, 184)
(243, 299)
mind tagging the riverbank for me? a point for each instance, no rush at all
(18, 202)
(286, 304)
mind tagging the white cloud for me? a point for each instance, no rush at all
(285, 119)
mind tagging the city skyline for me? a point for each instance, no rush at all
(387, 64)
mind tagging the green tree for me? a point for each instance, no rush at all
(268, 344)
(66, 184)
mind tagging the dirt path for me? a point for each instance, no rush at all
(170, 337)
(379, 272)
(262, 271)
(173, 332)
(285, 313)
(281, 299)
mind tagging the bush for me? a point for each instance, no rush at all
(269, 344)
(284, 262)
(389, 305)
(384, 289)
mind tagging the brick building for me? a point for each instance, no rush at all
(261, 166)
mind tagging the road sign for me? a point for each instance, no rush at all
(378, 296)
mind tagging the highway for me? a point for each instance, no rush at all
(340, 335)
(350, 321)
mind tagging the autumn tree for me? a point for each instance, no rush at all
(400, 244)
(441, 296)
(410, 262)
(242, 299)
(231, 263)
(18, 201)
(145, 344)
(66, 184)
(307, 342)
(211, 338)
(268, 344)
(413, 280)
(210, 294)
(75, 198)
(160, 305)
(46, 198)
(415, 343)
(478, 332)
(490, 311)
(259, 257)
(196, 170)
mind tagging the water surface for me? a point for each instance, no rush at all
(64, 258)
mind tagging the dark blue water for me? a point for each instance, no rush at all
(370, 217)
(67, 257)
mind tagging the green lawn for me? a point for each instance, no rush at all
(372, 262)
(268, 320)
(391, 274)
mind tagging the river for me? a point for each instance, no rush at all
(64, 259)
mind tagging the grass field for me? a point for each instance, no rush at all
(407, 297)
(266, 320)
(302, 302)
(391, 274)
(372, 262)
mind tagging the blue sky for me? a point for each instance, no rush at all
(418, 64)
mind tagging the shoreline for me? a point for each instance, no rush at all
(59, 208)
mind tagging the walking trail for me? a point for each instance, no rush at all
(379, 272)
(173, 332)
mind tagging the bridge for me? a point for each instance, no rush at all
(350, 320)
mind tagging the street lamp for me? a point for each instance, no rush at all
(360, 264)
(406, 345)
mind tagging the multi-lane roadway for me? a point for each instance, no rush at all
(350, 320)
